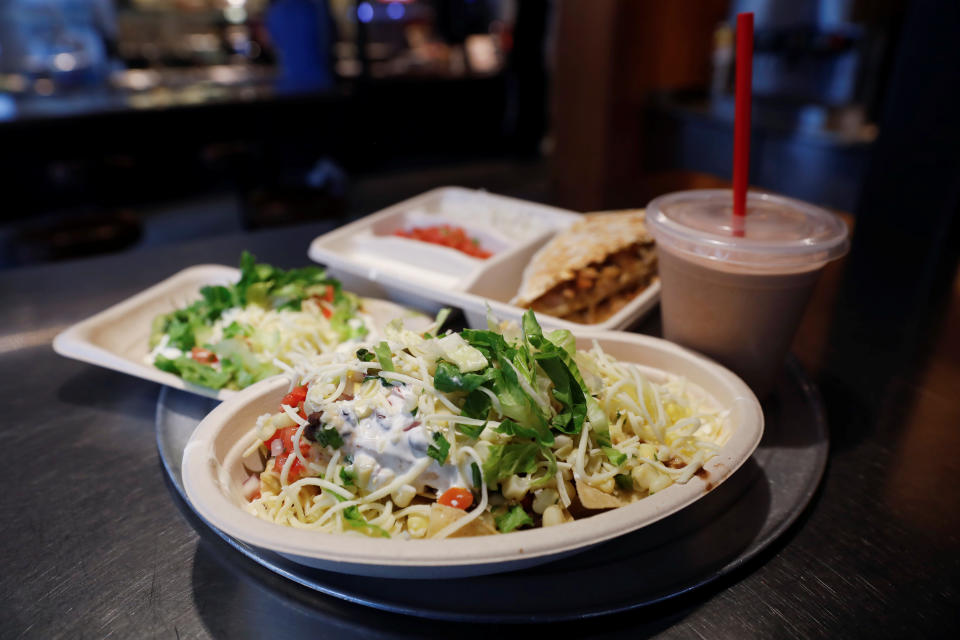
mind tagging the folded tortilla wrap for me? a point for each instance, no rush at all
(591, 270)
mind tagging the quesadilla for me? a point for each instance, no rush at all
(590, 271)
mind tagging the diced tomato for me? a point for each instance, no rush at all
(456, 497)
(447, 236)
(295, 397)
(203, 356)
(328, 294)
(326, 311)
(296, 467)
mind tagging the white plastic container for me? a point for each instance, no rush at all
(370, 260)
(117, 338)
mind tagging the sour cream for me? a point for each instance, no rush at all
(385, 439)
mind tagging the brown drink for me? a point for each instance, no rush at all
(739, 299)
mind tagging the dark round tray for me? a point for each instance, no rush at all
(697, 545)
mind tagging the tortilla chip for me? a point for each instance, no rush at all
(593, 498)
(441, 515)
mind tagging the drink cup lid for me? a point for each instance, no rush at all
(780, 233)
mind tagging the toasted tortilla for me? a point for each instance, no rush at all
(441, 515)
(593, 498)
(617, 239)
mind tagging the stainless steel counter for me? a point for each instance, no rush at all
(97, 544)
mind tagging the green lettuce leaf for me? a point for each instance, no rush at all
(505, 460)
(514, 518)
(355, 519)
(385, 356)
(511, 428)
(449, 378)
(477, 405)
(194, 372)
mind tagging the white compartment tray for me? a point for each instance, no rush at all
(370, 260)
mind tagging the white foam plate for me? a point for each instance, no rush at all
(117, 338)
(213, 475)
(369, 260)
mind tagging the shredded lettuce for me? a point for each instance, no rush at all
(477, 405)
(509, 459)
(385, 356)
(470, 430)
(458, 351)
(449, 378)
(514, 518)
(194, 372)
(353, 518)
(261, 285)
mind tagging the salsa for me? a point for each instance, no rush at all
(448, 236)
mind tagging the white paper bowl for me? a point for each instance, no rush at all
(213, 475)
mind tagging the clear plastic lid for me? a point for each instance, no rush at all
(779, 233)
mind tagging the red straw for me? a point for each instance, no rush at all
(741, 123)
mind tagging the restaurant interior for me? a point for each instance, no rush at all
(142, 137)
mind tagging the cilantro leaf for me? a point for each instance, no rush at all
(513, 519)
(348, 476)
(439, 449)
(383, 381)
(623, 481)
(365, 356)
(324, 436)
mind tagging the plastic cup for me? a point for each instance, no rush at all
(739, 300)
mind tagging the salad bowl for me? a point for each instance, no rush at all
(214, 474)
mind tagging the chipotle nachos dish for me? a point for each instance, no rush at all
(591, 270)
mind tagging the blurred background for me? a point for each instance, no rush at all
(126, 123)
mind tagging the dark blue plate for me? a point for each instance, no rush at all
(697, 545)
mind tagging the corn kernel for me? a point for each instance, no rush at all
(606, 486)
(417, 526)
(661, 482)
(515, 487)
(647, 450)
(553, 515)
(544, 498)
(403, 495)
(643, 475)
